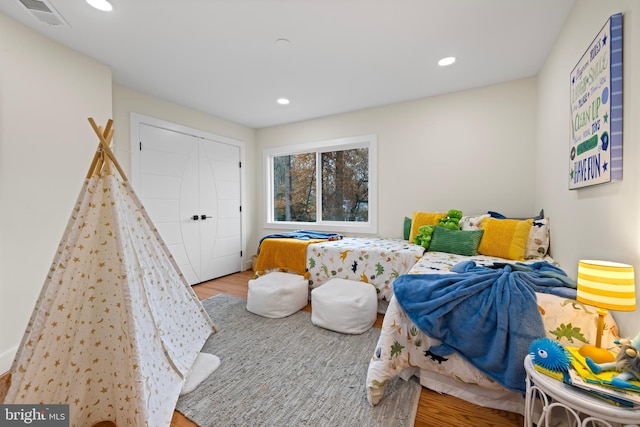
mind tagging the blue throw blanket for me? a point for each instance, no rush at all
(302, 235)
(488, 315)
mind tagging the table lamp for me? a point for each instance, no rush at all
(605, 285)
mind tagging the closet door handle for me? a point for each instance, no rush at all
(195, 217)
(203, 217)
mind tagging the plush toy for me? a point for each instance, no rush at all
(452, 220)
(550, 358)
(627, 363)
(423, 238)
(550, 354)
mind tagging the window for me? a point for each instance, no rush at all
(324, 186)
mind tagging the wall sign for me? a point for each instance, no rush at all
(596, 110)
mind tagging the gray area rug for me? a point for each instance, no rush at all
(288, 372)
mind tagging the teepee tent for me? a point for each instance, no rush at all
(116, 327)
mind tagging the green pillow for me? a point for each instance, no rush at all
(459, 242)
(407, 228)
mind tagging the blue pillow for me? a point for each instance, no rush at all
(500, 216)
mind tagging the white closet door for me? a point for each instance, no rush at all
(220, 200)
(184, 185)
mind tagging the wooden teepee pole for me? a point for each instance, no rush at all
(98, 157)
(105, 135)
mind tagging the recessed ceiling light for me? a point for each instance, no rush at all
(283, 42)
(283, 101)
(446, 61)
(103, 5)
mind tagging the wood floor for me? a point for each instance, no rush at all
(434, 410)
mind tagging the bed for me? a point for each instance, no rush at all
(378, 261)
(375, 260)
(404, 350)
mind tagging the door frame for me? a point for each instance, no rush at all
(138, 119)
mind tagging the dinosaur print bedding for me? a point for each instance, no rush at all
(371, 260)
(404, 350)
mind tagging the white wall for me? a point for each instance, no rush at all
(47, 92)
(469, 150)
(127, 101)
(599, 222)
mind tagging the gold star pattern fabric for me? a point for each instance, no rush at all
(116, 327)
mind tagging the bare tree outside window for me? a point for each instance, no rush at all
(294, 187)
(345, 185)
(325, 185)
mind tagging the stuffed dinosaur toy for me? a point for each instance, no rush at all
(423, 238)
(425, 232)
(452, 220)
(627, 363)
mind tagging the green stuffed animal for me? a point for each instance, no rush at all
(423, 238)
(452, 220)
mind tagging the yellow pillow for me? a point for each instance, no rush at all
(423, 218)
(505, 238)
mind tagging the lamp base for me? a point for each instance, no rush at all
(597, 354)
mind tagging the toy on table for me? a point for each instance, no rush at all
(550, 355)
(627, 363)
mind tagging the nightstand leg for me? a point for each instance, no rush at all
(596, 422)
(532, 396)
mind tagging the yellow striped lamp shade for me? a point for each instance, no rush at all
(605, 284)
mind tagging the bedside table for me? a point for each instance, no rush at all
(571, 404)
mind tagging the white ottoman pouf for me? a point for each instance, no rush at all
(277, 294)
(344, 306)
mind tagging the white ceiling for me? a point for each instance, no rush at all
(221, 56)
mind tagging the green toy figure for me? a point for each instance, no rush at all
(425, 232)
(423, 238)
(452, 220)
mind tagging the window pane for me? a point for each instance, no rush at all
(294, 188)
(345, 185)
(324, 185)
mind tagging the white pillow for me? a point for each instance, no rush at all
(202, 367)
(538, 241)
(572, 323)
(468, 223)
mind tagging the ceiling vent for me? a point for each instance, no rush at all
(44, 12)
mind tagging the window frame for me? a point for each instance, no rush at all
(364, 141)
